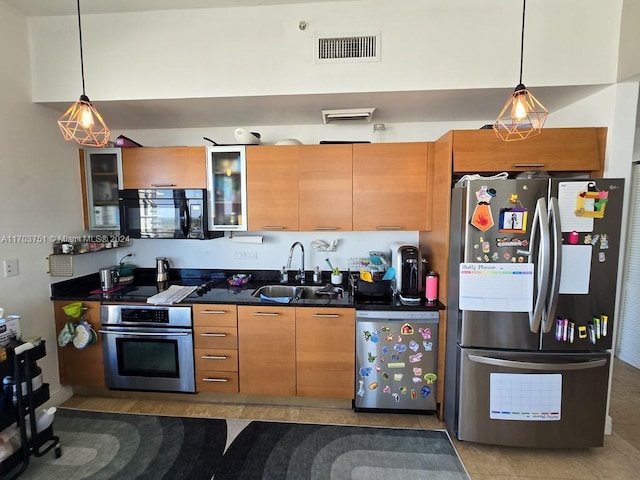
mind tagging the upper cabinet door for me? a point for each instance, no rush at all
(553, 150)
(227, 187)
(390, 186)
(101, 178)
(325, 187)
(272, 187)
(164, 167)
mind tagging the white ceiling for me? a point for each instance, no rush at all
(34, 8)
(391, 107)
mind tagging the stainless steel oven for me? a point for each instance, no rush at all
(148, 347)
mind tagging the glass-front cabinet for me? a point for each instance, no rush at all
(101, 180)
(227, 188)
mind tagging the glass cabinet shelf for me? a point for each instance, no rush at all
(227, 188)
(102, 177)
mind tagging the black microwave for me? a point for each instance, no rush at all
(164, 213)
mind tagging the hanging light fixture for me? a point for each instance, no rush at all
(81, 122)
(523, 115)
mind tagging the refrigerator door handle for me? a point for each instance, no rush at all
(499, 362)
(541, 256)
(556, 244)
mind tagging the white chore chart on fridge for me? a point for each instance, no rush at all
(496, 287)
(525, 396)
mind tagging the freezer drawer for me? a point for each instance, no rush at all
(396, 364)
(532, 400)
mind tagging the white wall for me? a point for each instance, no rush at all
(426, 45)
(39, 186)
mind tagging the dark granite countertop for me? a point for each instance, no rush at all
(214, 289)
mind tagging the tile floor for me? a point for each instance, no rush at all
(619, 459)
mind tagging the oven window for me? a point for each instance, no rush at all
(148, 358)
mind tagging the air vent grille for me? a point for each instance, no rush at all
(353, 48)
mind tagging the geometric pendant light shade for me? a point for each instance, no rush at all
(81, 122)
(522, 116)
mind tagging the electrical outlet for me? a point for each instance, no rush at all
(239, 255)
(251, 255)
(11, 267)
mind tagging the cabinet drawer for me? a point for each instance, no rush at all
(225, 360)
(216, 381)
(215, 337)
(214, 315)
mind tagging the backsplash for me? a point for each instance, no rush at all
(272, 253)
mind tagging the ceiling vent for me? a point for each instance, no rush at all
(347, 48)
(348, 115)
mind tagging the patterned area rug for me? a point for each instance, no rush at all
(128, 446)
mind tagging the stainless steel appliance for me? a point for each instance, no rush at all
(109, 278)
(148, 347)
(532, 288)
(408, 263)
(164, 213)
(396, 356)
(162, 269)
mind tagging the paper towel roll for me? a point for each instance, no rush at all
(247, 239)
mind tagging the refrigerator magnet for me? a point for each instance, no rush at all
(591, 204)
(513, 220)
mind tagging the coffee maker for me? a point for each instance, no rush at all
(408, 264)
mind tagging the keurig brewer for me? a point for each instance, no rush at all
(408, 263)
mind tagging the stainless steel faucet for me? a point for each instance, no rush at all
(300, 275)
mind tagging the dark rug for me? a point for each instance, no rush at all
(129, 446)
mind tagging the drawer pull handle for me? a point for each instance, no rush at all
(388, 227)
(214, 357)
(213, 334)
(273, 227)
(326, 315)
(528, 165)
(213, 312)
(265, 314)
(222, 380)
(164, 185)
(326, 228)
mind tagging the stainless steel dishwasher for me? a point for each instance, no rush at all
(396, 360)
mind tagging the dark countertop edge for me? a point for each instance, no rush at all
(78, 289)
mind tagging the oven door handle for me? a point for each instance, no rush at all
(146, 334)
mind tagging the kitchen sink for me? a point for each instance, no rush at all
(297, 292)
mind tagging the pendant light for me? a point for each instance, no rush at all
(81, 122)
(523, 115)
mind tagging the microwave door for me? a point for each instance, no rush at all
(184, 219)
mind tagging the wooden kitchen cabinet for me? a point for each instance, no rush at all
(266, 350)
(554, 150)
(325, 352)
(80, 367)
(164, 167)
(215, 340)
(390, 186)
(272, 187)
(325, 187)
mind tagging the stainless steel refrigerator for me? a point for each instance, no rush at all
(531, 299)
